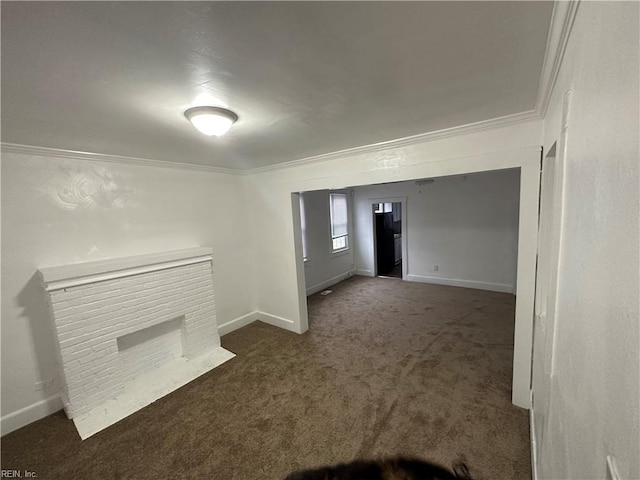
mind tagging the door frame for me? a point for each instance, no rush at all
(549, 260)
(403, 217)
(527, 159)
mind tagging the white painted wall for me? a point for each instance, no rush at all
(325, 268)
(593, 392)
(57, 211)
(467, 225)
(62, 210)
(276, 264)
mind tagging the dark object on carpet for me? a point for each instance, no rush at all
(386, 469)
(387, 369)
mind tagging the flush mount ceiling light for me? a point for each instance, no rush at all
(211, 120)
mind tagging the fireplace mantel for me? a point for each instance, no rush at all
(56, 278)
(132, 330)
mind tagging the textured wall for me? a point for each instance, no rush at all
(323, 266)
(593, 395)
(467, 225)
(270, 194)
(57, 211)
(94, 323)
(278, 265)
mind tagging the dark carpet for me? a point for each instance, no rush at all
(388, 367)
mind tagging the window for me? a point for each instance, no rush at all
(339, 219)
(303, 227)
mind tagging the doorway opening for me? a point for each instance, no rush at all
(387, 218)
(430, 246)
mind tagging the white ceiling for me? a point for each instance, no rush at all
(304, 78)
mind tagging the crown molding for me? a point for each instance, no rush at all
(407, 141)
(396, 143)
(562, 18)
(101, 157)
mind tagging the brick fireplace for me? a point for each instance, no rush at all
(132, 330)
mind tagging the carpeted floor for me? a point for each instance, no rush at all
(388, 367)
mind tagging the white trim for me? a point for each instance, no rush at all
(534, 443)
(395, 143)
(488, 124)
(407, 141)
(564, 13)
(237, 323)
(525, 281)
(612, 469)
(342, 251)
(53, 404)
(456, 282)
(102, 157)
(249, 318)
(276, 321)
(364, 272)
(50, 287)
(23, 417)
(57, 278)
(562, 20)
(330, 282)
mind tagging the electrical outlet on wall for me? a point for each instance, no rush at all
(436, 268)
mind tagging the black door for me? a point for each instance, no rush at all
(385, 255)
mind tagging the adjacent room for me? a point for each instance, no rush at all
(457, 230)
(245, 239)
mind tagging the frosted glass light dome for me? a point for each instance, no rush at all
(212, 121)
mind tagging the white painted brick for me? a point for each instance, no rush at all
(62, 313)
(93, 320)
(70, 356)
(170, 312)
(102, 287)
(99, 307)
(161, 282)
(66, 294)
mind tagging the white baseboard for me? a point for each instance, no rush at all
(364, 272)
(455, 282)
(244, 320)
(30, 414)
(276, 321)
(237, 323)
(23, 417)
(534, 443)
(330, 282)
